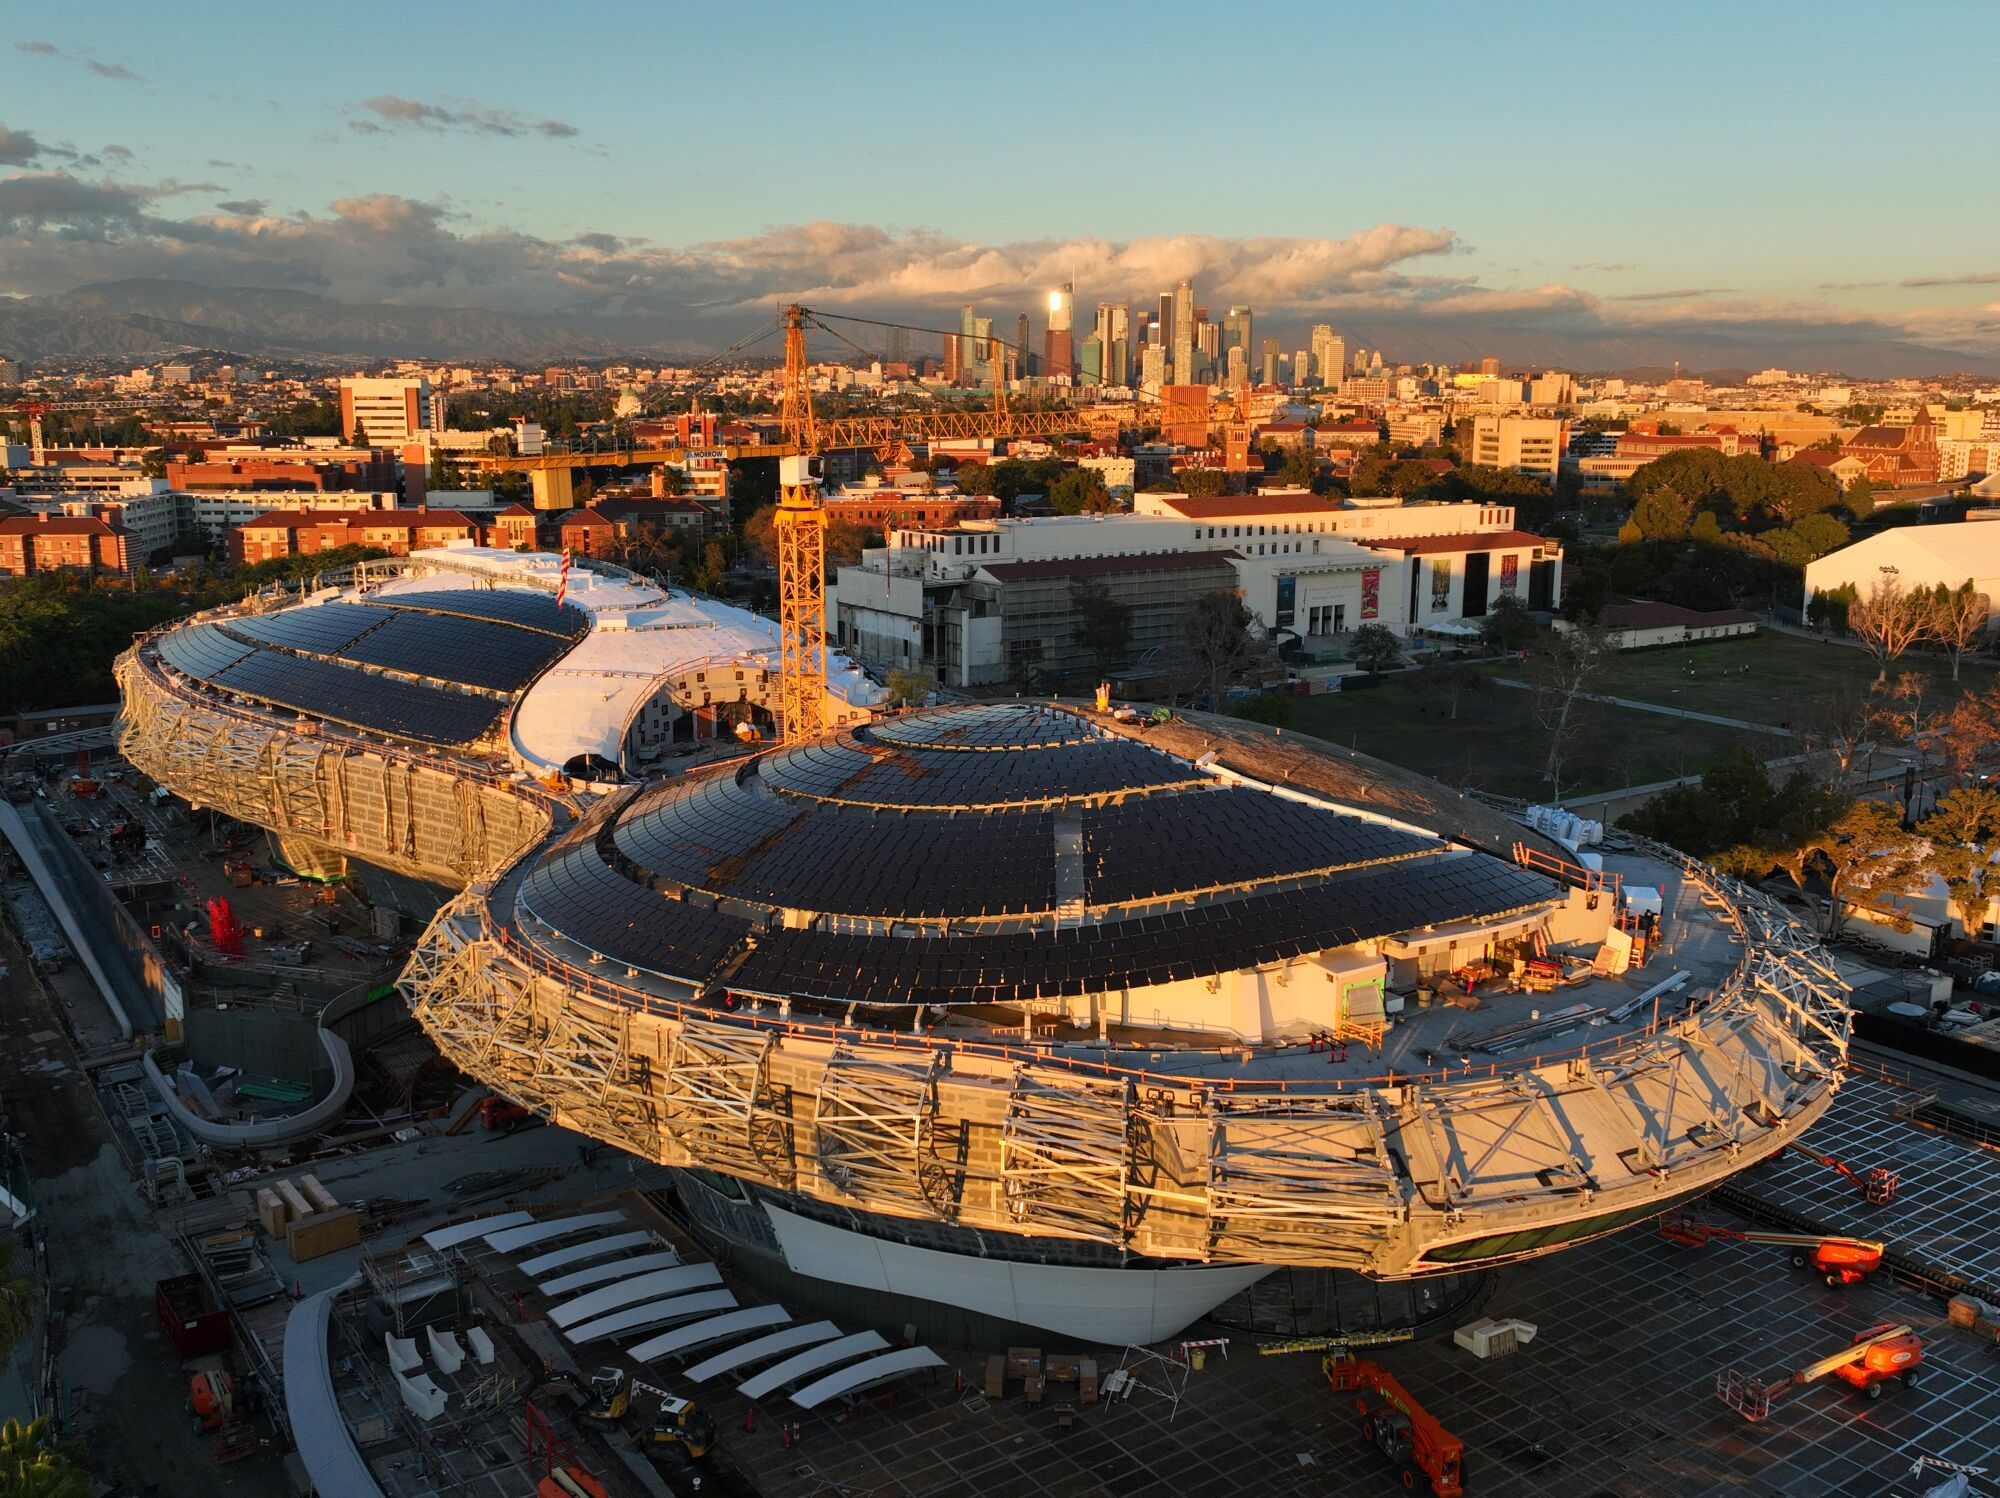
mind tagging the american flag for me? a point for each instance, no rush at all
(562, 586)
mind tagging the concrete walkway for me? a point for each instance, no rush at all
(1663, 710)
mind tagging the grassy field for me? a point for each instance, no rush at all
(1783, 672)
(1496, 745)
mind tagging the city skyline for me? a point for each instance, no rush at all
(1424, 208)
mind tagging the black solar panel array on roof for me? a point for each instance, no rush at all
(952, 779)
(1174, 946)
(1154, 845)
(202, 650)
(992, 726)
(682, 831)
(520, 606)
(588, 902)
(818, 769)
(890, 865)
(404, 710)
(449, 647)
(318, 629)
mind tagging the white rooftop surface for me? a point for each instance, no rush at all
(652, 1313)
(640, 636)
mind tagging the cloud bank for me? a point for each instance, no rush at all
(391, 112)
(1398, 284)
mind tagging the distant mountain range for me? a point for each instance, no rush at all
(143, 318)
(117, 318)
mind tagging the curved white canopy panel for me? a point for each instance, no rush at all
(799, 1365)
(729, 1360)
(638, 1287)
(641, 1318)
(866, 1374)
(581, 1253)
(715, 1329)
(511, 1239)
(479, 1227)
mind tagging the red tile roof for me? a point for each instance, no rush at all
(1649, 615)
(53, 525)
(1248, 506)
(1418, 546)
(1164, 561)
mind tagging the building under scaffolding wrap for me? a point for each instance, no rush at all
(1011, 1009)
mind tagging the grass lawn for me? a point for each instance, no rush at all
(1496, 745)
(1784, 671)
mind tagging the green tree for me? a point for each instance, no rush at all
(154, 463)
(1862, 857)
(1080, 491)
(1735, 807)
(1375, 648)
(1103, 624)
(908, 688)
(359, 437)
(1215, 631)
(1201, 482)
(1563, 672)
(1507, 625)
(974, 478)
(1960, 831)
(673, 481)
(1859, 497)
(442, 474)
(17, 1303)
(1299, 469)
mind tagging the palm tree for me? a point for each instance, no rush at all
(31, 1467)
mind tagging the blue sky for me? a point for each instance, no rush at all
(1746, 166)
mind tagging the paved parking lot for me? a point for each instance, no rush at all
(1615, 1396)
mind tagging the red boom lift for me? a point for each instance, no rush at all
(1877, 1187)
(1839, 1261)
(1401, 1429)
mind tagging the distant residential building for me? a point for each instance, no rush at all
(387, 413)
(1058, 355)
(1526, 444)
(285, 533)
(1417, 428)
(1185, 344)
(1899, 456)
(79, 544)
(377, 471)
(1639, 626)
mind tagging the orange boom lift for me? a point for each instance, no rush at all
(1839, 1261)
(1392, 1421)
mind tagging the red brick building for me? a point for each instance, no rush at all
(31, 544)
(1898, 456)
(375, 473)
(287, 533)
(887, 509)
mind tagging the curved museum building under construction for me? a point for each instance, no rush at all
(1009, 1008)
